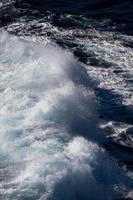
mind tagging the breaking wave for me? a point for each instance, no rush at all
(48, 127)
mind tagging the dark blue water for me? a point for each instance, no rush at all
(118, 11)
(66, 100)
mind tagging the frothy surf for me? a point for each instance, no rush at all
(48, 113)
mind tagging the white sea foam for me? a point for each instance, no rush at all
(46, 110)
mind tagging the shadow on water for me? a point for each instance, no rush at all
(111, 107)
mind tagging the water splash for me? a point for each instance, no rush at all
(48, 113)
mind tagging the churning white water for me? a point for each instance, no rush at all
(48, 112)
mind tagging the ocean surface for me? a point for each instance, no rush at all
(66, 100)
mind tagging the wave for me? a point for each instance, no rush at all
(49, 129)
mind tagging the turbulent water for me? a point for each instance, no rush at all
(66, 100)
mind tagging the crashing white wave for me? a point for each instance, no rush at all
(47, 112)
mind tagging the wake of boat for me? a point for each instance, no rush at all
(48, 126)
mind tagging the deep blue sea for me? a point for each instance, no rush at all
(66, 99)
